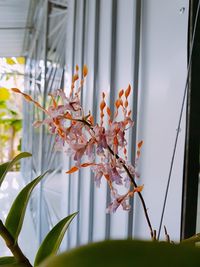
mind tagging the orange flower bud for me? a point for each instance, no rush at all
(102, 105)
(128, 90)
(73, 169)
(27, 97)
(126, 104)
(85, 71)
(139, 188)
(108, 111)
(16, 90)
(75, 78)
(87, 164)
(117, 103)
(140, 144)
(121, 93)
(91, 119)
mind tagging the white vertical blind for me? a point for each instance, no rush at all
(119, 40)
(103, 34)
(163, 65)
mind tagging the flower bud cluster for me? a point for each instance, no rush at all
(104, 146)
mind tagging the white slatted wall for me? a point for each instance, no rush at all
(143, 43)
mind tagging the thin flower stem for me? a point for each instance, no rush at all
(13, 246)
(152, 233)
(139, 194)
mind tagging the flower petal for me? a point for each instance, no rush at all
(72, 170)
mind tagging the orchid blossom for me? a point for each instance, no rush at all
(103, 144)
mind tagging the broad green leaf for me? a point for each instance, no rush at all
(5, 167)
(132, 253)
(7, 260)
(16, 214)
(52, 242)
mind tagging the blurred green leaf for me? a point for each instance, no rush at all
(17, 124)
(120, 253)
(7, 260)
(3, 168)
(52, 242)
(19, 147)
(16, 214)
(8, 76)
(7, 166)
(4, 138)
(3, 114)
(5, 121)
(3, 105)
(12, 112)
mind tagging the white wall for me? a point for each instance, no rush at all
(162, 75)
(162, 81)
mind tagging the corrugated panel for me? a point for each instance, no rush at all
(13, 23)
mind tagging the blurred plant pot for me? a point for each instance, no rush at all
(120, 253)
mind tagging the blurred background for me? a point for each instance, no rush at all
(146, 43)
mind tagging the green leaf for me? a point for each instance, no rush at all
(17, 124)
(7, 260)
(16, 214)
(5, 167)
(2, 105)
(132, 253)
(13, 112)
(19, 147)
(52, 242)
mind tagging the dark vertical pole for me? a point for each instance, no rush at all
(73, 63)
(191, 163)
(112, 92)
(94, 111)
(135, 71)
(80, 181)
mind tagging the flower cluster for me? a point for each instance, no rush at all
(104, 144)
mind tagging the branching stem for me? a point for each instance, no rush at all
(13, 246)
(139, 194)
(152, 232)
